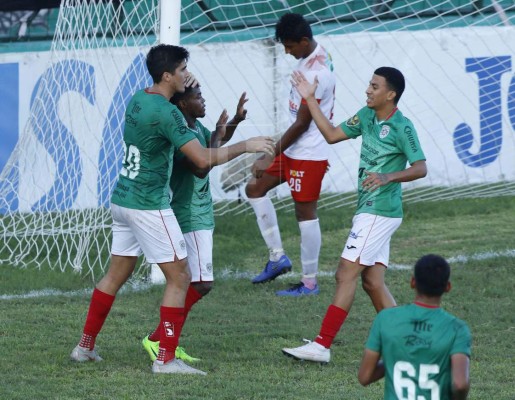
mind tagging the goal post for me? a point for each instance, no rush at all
(457, 56)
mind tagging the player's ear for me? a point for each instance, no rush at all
(448, 287)
(413, 284)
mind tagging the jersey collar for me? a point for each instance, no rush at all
(418, 303)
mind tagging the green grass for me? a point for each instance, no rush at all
(239, 329)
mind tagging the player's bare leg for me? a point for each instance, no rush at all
(346, 282)
(373, 283)
(120, 269)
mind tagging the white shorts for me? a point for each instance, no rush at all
(156, 233)
(369, 239)
(200, 255)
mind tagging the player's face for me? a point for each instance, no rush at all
(378, 93)
(296, 49)
(196, 104)
(179, 77)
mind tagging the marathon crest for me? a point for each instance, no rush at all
(353, 121)
(385, 130)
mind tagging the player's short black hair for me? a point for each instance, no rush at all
(432, 274)
(292, 27)
(165, 58)
(178, 96)
(395, 80)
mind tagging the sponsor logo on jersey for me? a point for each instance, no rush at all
(353, 121)
(409, 133)
(385, 130)
(296, 174)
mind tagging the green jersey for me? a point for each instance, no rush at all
(153, 128)
(386, 147)
(191, 197)
(416, 343)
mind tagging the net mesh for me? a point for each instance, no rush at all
(55, 188)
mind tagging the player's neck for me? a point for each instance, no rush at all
(312, 47)
(428, 301)
(162, 89)
(191, 121)
(385, 112)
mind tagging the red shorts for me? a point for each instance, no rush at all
(303, 176)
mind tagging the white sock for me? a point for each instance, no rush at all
(310, 242)
(267, 223)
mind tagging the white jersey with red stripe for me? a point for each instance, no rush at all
(311, 145)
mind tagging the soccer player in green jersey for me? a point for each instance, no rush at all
(425, 351)
(192, 203)
(389, 142)
(143, 221)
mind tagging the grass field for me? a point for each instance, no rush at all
(239, 329)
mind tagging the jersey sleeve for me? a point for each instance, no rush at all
(374, 337)
(410, 145)
(352, 127)
(207, 134)
(463, 339)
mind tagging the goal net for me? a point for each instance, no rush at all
(456, 56)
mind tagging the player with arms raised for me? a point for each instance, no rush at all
(142, 218)
(389, 142)
(193, 205)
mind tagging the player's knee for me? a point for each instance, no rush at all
(371, 286)
(253, 191)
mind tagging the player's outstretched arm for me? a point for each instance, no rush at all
(307, 90)
(371, 368)
(206, 158)
(460, 365)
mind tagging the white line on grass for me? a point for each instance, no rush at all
(228, 274)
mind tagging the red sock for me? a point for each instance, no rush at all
(333, 321)
(172, 319)
(99, 308)
(192, 296)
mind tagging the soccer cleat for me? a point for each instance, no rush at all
(312, 351)
(273, 269)
(83, 354)
(298, 290)
(181, 354)
(151, 347)
(174, 366)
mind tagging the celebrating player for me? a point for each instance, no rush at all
(389, 141)
(142, 218)
(192, 203)
(425, 351)
(301, 161)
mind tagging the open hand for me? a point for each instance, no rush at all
(305, 89)
(261, 144)
(241, 111)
